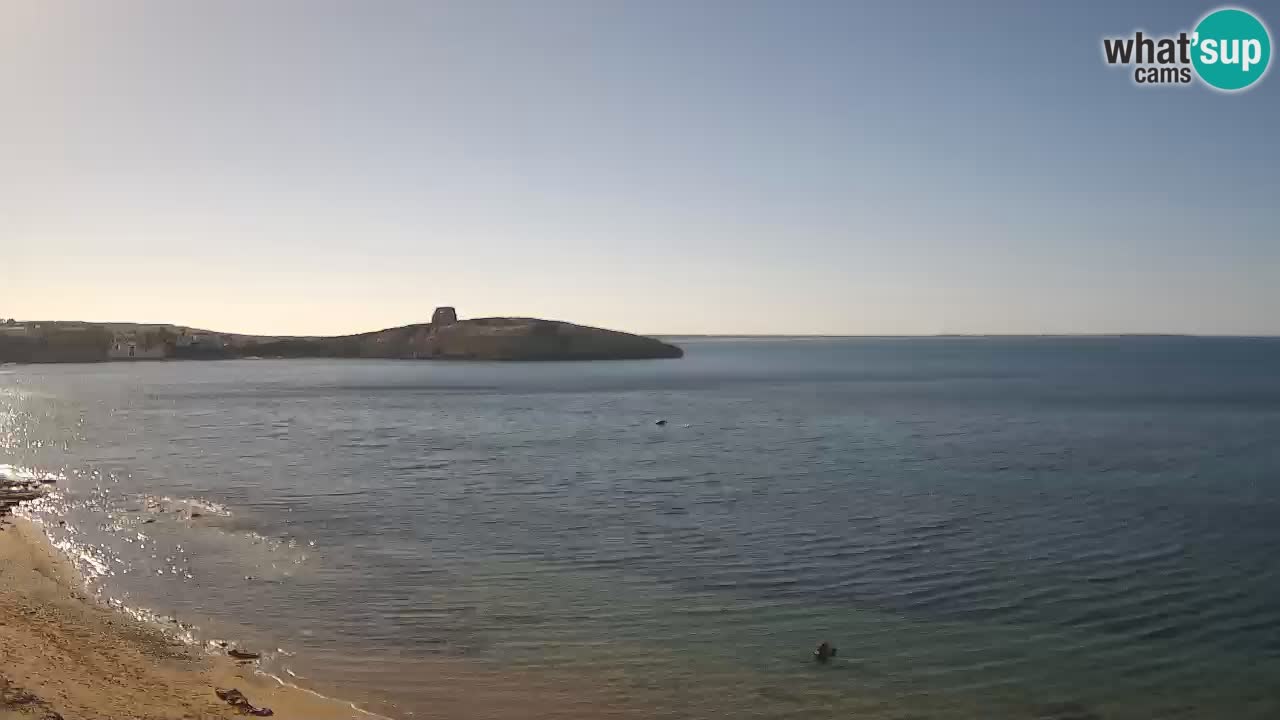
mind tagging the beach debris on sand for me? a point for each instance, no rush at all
(17, 700)
(243, 654)
(237, 700)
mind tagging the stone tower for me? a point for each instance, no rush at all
(444, 316)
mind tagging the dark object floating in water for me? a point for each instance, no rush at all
(661, 422)
(243, 654)
(825, 652)
(195, 515)
(237, 700)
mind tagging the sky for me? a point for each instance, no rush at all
(673, 167)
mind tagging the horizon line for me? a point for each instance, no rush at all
(819, 336)
(745, 336)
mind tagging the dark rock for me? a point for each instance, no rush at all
(243, 654)
(231, 697)
(237, 700)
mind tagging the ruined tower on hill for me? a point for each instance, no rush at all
(444, 316)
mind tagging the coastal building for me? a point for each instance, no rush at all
(131, 346)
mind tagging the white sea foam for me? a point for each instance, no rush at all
(353, 706)
(166, 504)
(17, 473)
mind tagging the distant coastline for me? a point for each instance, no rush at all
(962, 336)
(444, 338)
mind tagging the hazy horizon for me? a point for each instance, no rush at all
(720, 168)
(717, 336)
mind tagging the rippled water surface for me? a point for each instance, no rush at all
(986, 528)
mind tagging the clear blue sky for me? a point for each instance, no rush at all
(667, 167)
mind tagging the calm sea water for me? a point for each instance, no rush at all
(986, 528)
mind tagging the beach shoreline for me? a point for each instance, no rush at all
(68, 650)
(62, 654)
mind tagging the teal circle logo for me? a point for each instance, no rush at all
(1231, 49)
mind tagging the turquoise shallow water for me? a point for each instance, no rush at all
(994, 528)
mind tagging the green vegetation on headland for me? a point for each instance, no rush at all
(445, 338)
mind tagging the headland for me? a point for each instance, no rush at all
(445, 337)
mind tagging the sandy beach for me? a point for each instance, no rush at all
(64, 656)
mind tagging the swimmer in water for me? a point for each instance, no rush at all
(825, 652)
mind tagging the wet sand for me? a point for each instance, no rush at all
(63, 655)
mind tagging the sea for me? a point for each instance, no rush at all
(1037, 528)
